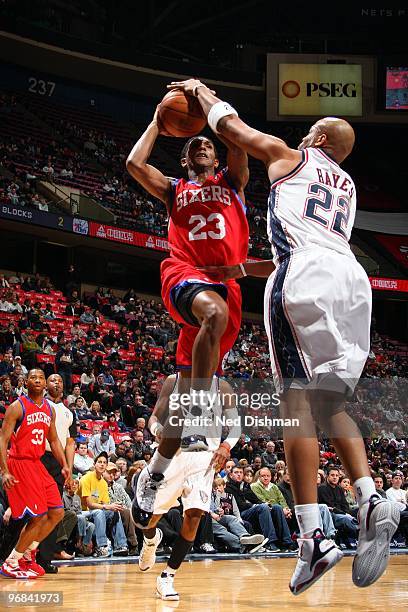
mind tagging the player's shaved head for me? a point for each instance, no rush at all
(334, 135)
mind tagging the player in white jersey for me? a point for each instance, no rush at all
(190, 476)
(317, 315)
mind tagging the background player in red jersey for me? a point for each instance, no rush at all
(31, 491)
(207, 226)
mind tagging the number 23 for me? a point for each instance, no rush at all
(201, 222)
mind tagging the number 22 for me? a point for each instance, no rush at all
(323, 199)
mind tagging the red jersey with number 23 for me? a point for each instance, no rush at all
(28, 441)
(208, 224)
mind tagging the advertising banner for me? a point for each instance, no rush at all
(320, 89)
(389, 284)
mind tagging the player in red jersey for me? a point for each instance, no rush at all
(207, 226)
(28, 423)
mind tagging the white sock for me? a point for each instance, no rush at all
(308, 518)
(364, 488)
(14, 557)
(169, 571)
(159, 464)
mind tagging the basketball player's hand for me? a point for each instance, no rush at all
(66, 472)
(220, 456)
(9, 480)
(222, 273)
(7, 516)
(156, 121)
(188, 86)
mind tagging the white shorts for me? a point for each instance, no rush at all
(187, 477)
(317, 317)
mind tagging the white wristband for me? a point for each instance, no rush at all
(241, 267)
(156, 428)
(217, 112)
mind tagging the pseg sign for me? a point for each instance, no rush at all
(320, 89)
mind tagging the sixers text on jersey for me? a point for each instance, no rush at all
(208, 224)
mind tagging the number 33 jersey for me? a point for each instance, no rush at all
(313, 205)
(28, 440)
(208, 224)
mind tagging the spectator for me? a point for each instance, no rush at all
(85, 529)
(227, 524)
(400, 497)
(379, 485)
(118, 495)
(82, 461)
(96, 411)
(331, 494)
(101, 442)
(269, 458)
(94, 494)
(111, 424)
(348, 492)
(252, 511)
(267, 492)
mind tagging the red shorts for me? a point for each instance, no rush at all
(175, 273)
(36, 491)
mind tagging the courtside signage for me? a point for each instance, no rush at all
(320, 89)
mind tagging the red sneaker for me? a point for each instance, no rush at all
(30, 565)
(16, 572)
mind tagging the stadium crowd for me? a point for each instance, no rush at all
(78, 150)
(113, 352)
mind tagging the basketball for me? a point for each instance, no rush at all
(181, 115)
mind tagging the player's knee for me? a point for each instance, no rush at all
(215, 318)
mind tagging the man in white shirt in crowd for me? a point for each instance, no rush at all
(101, 442)
(398, 495)
(82, 461)
(395, 493)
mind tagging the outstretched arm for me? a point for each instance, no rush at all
(152, 179)
(265, 147)
(237, 162)
(261, 269)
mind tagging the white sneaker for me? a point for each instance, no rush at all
(165, 588)
(147, 557)
(379, 520)
(102, 551)
(257, 538)
(316, 556)
(207, 548)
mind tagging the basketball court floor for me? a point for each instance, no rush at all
(237, 585)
